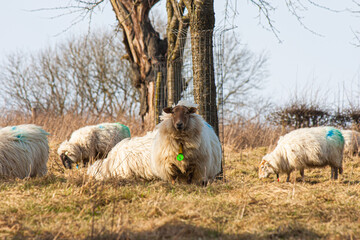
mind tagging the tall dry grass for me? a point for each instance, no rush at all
(243, 134)
(61, 127)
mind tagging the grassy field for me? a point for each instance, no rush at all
(68, 205)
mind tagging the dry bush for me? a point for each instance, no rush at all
(241, 134)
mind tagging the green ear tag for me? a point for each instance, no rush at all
(180, 157)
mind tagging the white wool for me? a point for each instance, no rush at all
(129, 158)
(93, 142)
(352, 141)
(154, 155)
(305, 148)
(24, 151)
(201, 149)
(187, 103)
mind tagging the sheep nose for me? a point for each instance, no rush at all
(179, 125)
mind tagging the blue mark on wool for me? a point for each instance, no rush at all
(335, 134)
(20, 137)
(125, 127)
(44, 132)
(209, 126)
(13, 128)
(101, 127)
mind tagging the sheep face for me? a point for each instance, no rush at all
(180, 116)
(265, 169)
(69, 154)
(66, 160)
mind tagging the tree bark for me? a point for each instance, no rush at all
(177, 28)
(202, 21)
(145, 50)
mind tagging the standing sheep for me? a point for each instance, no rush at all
(182, 147)
(305, 148)
(185, 147)
(24, 151)
(91, 142)
(352, 141)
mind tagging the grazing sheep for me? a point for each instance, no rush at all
(91, 142)
(305, 148)
(352, 141)
(185, 147)
(157, 155)
(24, 151)
(129, 158)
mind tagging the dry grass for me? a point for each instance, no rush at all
(68, 205)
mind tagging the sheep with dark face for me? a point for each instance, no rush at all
(185, 147)
(91, 142)
(24, 151)
(305, 148)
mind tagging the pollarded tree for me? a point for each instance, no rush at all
(146, 51)
(149, 54)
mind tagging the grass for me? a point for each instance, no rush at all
(68, 205)
(65, 204)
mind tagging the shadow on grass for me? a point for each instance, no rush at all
(180, 230)
(172, 229)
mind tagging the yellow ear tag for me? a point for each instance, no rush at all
(180, 156)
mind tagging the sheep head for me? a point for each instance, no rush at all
(180, 116)
(265, 169)
(69, 154)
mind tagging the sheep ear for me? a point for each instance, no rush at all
(168, 110)
(192, 110)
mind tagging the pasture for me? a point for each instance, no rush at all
(66, 204)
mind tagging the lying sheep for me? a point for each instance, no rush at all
(91, 142)
(24, 151)
(185, 147)
(352, 141)
(305, 148)
(182, 147)
(129, 158)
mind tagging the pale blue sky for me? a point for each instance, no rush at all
(302, 59)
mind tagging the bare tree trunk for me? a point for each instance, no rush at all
(145, 50)
(202, 21)
(178, 25)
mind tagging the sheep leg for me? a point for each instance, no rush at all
(190, 177)
(302, 175)
(334, 173)
(288, 178)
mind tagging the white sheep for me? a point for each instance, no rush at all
(158, 154)
(185, 147)
(24, 151)
(91, 142)
(352, 141)
(129, 158)
(305, 148)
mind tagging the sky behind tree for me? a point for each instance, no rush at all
(325, 61)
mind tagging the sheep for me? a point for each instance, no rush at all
(129, 158)
(352, 141)
(185, 147)
(182, 133)
(24, 151)
(91, 142)
(305, 148)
